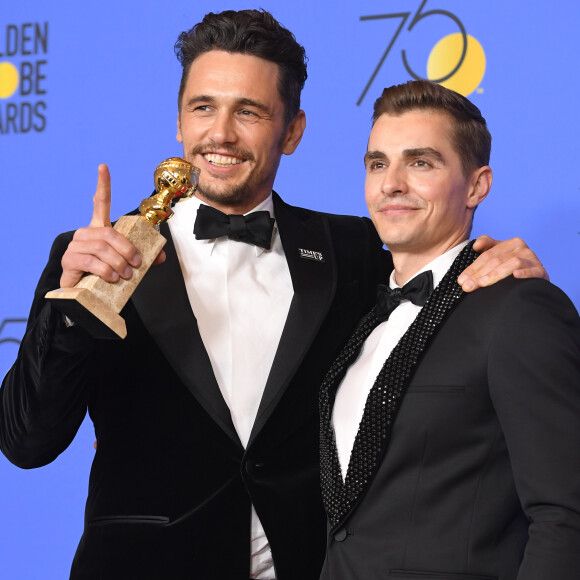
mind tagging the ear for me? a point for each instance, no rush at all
(480, 185)
(179, 137)
(294, 133)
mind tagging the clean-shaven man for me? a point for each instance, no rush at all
(450, 422)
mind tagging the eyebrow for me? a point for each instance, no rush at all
(252, 103)
(423, 152)
(242, 101)
(407, 153)
(370, 155)
(199, 99)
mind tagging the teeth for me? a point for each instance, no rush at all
(222, 160)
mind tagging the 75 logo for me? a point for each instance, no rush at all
(448, 57)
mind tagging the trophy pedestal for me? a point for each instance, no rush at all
(94, 303)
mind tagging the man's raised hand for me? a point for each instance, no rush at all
(98, 249)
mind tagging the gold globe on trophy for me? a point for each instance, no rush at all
(95, 304)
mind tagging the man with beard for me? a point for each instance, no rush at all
(206, 414)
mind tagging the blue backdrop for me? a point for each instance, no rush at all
(89, 83)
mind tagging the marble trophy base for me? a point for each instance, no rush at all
(95, 304)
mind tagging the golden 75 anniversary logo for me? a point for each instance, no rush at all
(457, 61)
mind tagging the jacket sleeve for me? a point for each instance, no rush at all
(534, 378)
(43, 398)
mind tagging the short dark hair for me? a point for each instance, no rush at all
(252, 32)
(469, 135)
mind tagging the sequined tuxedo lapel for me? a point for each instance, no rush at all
(384, 398)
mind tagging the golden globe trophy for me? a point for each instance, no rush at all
(95, 304)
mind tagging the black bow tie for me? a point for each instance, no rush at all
(254, 228)
(416, 290)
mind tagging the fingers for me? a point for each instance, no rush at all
(101, 251)
(102, 199)
(484, 243)
(500, 261)
(533, 272)
(487, 273)
(160, 258)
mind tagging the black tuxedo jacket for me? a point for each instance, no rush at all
(171, 485)
(473, 472)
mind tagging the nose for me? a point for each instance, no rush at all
(222, 129)
(393, 181)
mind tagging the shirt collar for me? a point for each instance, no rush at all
(438, 266)
(185, 212)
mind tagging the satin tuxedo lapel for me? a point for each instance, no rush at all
(163, 305)
(314, 282)
(384, 399)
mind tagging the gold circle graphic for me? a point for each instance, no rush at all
(445, 56)
(8, 79)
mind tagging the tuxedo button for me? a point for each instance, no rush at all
(254, 467)
(340, 535)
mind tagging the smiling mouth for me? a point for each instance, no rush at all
(222, 160)
(397, 209)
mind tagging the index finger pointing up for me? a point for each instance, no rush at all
(102, 199)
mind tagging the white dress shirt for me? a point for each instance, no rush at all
(359, 379)
(240, 295)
